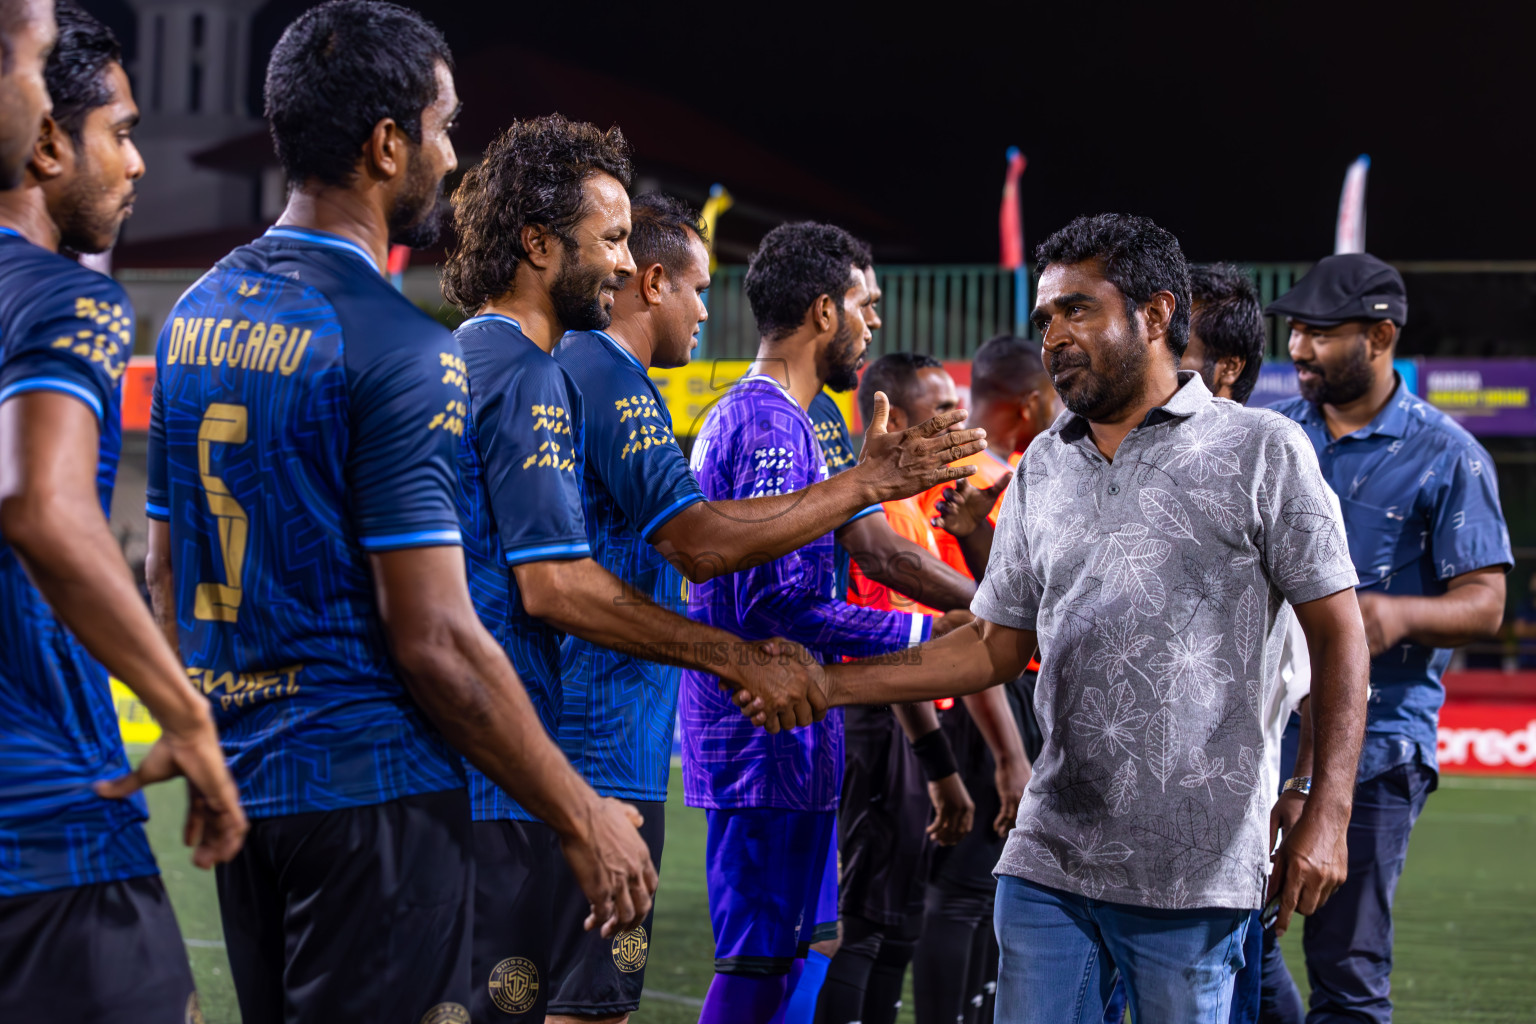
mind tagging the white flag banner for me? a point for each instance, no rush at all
(1349, 234)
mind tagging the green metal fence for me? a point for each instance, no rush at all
(944, 310)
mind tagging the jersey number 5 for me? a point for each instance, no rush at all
(220, 602)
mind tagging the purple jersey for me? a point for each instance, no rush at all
(758, 441)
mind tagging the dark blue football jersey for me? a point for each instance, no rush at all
(306, 415)
(70, 330)
(524, 462)
(619, 712)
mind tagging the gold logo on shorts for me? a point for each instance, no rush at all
(446, 1013)
(194, 1014)
(630, 949)
(514, 985)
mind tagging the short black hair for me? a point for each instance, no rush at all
(76, 71)
(895, 373)
(1007, 366)
(1138, 257)
(339, 70)
(794, 265)
(534, 172)
(661, 229)
(1227, 315)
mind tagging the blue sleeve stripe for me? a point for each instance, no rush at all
(549, 552)
(661, 518)
(419, 539)
(157, 511)
(69, 387)
(871, 510)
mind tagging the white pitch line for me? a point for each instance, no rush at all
(668, 997)
(205, 943)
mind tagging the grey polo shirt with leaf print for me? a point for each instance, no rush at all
(1157, 586)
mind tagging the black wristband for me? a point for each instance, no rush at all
(934, 755)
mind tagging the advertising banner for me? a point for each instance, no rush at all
(1490, 397)
(1488, 739)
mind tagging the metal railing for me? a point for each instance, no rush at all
(944, 310)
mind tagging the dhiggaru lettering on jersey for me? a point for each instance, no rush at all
(261, 346)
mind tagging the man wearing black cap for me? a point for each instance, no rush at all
(1428, 541)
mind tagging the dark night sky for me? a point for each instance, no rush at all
(1231, 124)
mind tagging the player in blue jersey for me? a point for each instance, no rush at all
(542, 222)
(772, 798)
(86, 930)
(306, 554)
(26, 35)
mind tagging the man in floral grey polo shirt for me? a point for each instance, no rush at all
(1149, 547)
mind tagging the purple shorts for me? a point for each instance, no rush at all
(767, 869)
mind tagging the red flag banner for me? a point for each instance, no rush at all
(1010, 219)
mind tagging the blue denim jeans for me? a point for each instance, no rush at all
(1060, 952)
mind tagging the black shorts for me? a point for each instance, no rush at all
(532, 956)
(882, 820)
(108, 952)
(361, 914)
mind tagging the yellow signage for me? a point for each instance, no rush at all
(133, 718)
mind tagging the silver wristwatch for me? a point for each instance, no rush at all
(1298, 784)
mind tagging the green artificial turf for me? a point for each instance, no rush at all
(1466, 912)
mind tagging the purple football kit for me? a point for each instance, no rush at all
(771, 799)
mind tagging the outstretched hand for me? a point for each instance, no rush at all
(901, 464)
(964, 507)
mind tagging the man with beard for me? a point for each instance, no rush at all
(544, 223)
(771, 799)
(86, 930)
(646, 521)
(306, 555)
(1427, 537)
(26, 35)
(1140, 845)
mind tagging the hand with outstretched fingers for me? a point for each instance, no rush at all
(903, 463)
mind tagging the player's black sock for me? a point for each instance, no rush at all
(882, 997)
(842, 994)
(983, 963)
(941, 965)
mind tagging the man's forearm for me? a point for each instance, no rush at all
(907, 568)
(967, 660)
(916, 720)
(1304, 739)
(1461, 616)
(70, 553)
(716, 538)
(993, 716)
(976, 549)
(1340, 681)
(470, 692)
(583, 599)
